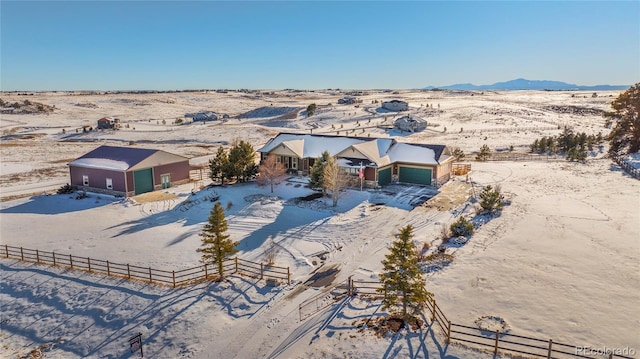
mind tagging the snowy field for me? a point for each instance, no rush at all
(562, 261)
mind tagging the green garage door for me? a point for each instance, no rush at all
(143, 181)
(384, 176)
(414, 175)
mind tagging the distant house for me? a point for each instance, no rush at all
(382, 160)
(348, 100)
(203, 116)
(128, 171)
(108, 123)
(410, 123)
(395, 105)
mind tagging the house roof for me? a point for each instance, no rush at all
(380, 151)
(125, 158)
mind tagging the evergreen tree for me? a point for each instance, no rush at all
(458, 154)
(625, 118)
(311, 109)
(484, 154)
(218, 165)
(491, 199)
(403, 284)
(242, 164)
(216, 245)
(316, 173)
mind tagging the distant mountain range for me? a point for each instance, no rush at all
(524, 84)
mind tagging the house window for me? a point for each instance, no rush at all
(85, 180)
(109, 183)
(294, 163)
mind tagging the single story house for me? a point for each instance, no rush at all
(108, 123)
(396, 105)
(410, 123)
(382, 160)
(128, 171)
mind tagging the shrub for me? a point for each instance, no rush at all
(491, 199)
(461, 227)
(66, 189)
(484, 154)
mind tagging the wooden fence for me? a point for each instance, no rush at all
(507, 129)
(627, 167)
(523, 157)
(459, 169)
(147, 274)
(496, 341)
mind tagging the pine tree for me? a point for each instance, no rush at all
(491, 199)
(216, 245)
(484, 154)
(625, 120)
(316, 173)
(242, 164)
(403, 285)
(218, 165)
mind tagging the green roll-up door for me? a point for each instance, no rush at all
(384, 176)
(414, 175)
(143, 181)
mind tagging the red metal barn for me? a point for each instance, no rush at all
(128, 171)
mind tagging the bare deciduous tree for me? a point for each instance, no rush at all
(335, 179)
(271, 172)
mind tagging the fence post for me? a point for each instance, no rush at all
(89, 264)
(108, 269)
(549, 351)
(54, 258)
(300, 311)
(37, 256)
(150, 279)
(236, 265)
(349, 286)
(6, 250)
(288, 276)
(174, 278)
(71, 261)
(433, 309)
(495, 348)
(206, 274)
(261, 270)
(128, 272)
(21, 254)
(448, 332)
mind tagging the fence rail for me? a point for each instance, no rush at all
(156, 276)
(495, 341)
(523, 157)
(627, 167)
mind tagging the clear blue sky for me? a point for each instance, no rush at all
(164, 45)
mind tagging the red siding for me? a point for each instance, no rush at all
(97, 177)
(179, 171)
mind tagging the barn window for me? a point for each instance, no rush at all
(109, 183)
(85, 180)
(294, 163)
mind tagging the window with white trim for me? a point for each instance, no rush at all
(85, 180)
(109, 183)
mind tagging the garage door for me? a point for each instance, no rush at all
(143, 181)
(414, 175)
(384, 176)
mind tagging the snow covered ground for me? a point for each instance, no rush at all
(560, 262)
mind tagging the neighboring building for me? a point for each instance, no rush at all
(108, 123)
(348, 100)
(128, 171)
(395, 105)
(410, 123)
(203, 116)
(383, 160)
